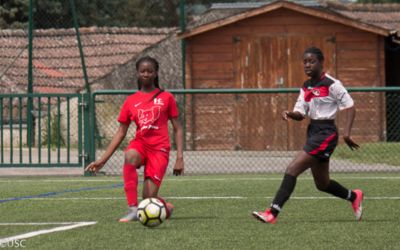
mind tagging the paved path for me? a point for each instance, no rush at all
(196, 162)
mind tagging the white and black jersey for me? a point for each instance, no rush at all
(321, 100)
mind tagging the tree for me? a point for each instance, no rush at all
(122, 13)
(13, 14)
(51, 14)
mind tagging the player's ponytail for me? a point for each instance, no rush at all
(156, 83)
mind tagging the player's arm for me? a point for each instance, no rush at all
(299, 111)
(346, 105)
(295, 115)
(178, 131)
(115, 142)
(350, 114)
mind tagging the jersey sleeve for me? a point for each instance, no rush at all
(173, 111)
(125, 113)
(341, 95)
(301, 105)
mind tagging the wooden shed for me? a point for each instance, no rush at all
(263, 48)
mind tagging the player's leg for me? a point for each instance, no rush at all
(150, 190)
(302, 162)
(299, 164)
(133, 160)
(323, 183)
(154, 172)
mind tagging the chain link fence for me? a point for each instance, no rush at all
(224, 132)
(244, 133)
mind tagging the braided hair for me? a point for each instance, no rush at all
(156, 67)
(316, 51)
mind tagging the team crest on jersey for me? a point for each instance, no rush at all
(316, 92)
(148, 116)
(158, 101)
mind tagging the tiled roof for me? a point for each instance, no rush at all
(382, 15)
(219, 11)
(237, 5)
(249, 5)
(56, 59)
(213, 15)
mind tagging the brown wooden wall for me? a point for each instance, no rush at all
(266, 52)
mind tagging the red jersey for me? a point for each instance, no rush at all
(151, 117)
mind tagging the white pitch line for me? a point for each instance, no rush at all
(45, 231)
(280, 178)
(58, 180)
(37, 223)
(212, 198)
(76, 198)
(383, 198)
(210, 179)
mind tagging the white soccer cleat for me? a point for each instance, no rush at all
(130, 216)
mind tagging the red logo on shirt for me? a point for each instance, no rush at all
(316, 92)
(320, 91)
(148, 116)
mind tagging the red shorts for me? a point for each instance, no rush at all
(155, 161)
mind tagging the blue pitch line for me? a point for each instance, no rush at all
(60, 192)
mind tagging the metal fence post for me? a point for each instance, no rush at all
(30, 79)
(78, 38)
(87, 130)
(182, 24)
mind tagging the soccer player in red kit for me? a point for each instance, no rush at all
(320, 98)
(150, 108)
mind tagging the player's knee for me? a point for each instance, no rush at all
(292, 170)
(321, 186)
(133, 158)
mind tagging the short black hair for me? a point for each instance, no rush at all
(316, 51)
(156, 67)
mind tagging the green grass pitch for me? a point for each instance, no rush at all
(211, 212)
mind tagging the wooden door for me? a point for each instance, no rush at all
(272, 62)
(258, 65)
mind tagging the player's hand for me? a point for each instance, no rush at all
(95, 166)
(352, 145)
(285, 115)
(179, 167)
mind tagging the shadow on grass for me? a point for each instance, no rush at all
(194, 218)
(363, 221)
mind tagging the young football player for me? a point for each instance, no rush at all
(320, 99)
(150, 108)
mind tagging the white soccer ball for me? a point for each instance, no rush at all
(151, 212)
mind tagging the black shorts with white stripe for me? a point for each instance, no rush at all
(322, 139)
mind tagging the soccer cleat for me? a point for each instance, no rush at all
(357, 204)
(170, 209)
(266, 217)
(131, 215)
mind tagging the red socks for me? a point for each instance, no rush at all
(130, 184)
(166, 207)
